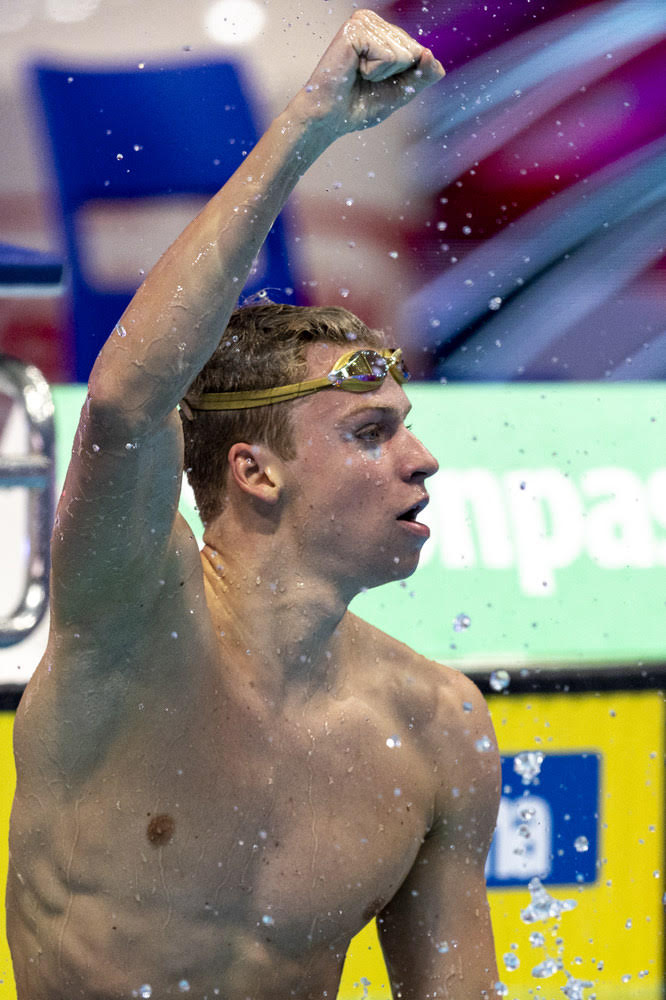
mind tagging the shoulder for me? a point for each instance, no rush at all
(446, 694)
(451, 717)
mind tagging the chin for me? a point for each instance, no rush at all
(396, 571)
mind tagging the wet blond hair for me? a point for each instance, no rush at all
(263, 346)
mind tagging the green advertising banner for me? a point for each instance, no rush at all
(548, 521)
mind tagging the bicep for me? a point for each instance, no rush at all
(115, 517)
(436, 932)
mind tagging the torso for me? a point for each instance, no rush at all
(173, 830)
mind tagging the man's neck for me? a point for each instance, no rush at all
(291, 625)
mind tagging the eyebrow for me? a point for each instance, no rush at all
(391, 411)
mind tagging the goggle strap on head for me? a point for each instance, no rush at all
(339, 378)
(255, 397)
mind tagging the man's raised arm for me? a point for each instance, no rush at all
(127, 461)
(176, 319)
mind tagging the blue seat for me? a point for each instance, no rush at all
(191, 125)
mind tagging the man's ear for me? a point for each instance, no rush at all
(255, 470)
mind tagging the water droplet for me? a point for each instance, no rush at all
(467, 706)
(349, 202)
(267, 920)
(442, 226)
(466, 230)
(543, 906)
(501, 989)
(461, 622)
(545, 969)
(581, 844)
(495, 303)
(528, 765)
(393, 254)
(443, 947)
(483, 745)
(393, 741)
(500, 680)
(344, 292)
(119, 156)
(145, 991)
(537, 939)
(574, 987)
(95, 447)
(511, 961)
(184, 986)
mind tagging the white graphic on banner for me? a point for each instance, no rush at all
(523, 843)
(541, 520)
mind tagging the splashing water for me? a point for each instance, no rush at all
(511, 961)
(461, 622)
(528, 765)
(500, 680)
(546, 969)
(542, 905)
(574, 987)
(581, 844)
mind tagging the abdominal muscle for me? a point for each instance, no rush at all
(146, 959)
(207, 851)
(158, 921)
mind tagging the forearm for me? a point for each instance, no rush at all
(175, 321)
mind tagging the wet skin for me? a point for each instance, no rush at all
(211, 798)
(205, 792)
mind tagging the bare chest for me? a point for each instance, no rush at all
(308, 825)
(299, 830)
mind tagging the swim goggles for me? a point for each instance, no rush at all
(357, 371)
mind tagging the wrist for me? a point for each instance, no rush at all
(307, 119)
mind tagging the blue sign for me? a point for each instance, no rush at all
(548, 820)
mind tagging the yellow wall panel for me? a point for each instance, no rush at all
(8, 783)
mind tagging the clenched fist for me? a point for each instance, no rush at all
(370, 69)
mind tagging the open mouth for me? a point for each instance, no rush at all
(413, 512)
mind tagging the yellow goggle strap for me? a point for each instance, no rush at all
(338, 378)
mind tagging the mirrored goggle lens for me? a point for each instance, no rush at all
(364, 366)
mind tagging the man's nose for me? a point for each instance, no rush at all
(421, 464)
